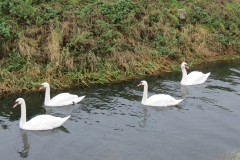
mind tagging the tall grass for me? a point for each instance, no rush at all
(83, 42)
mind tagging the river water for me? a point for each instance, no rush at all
(111, 124)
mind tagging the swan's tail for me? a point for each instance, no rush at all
(66, 118)
(208, 74)
(206, 77)
(78, 99)
(178, 101)
(63, 120)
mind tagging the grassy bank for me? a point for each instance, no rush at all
(71, 42)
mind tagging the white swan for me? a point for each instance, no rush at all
(160, 100)
(41, 122)
(61, 99)
(192, 78)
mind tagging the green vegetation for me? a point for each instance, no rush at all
(81, 42)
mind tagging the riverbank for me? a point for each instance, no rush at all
(85, 43)
(72, 79)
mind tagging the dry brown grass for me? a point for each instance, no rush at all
(28, 47)
(67, 60)
(141, 61)
(28, 42)
(200, 40)
(53, 47)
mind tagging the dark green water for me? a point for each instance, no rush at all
(111, 124)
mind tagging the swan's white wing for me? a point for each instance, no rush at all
(197, 77)
(162, 100)
(65, 99)
(44, 122)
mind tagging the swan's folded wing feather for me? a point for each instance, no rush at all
(63, 98)
(196, 76)
(43, 122)
(160, 100)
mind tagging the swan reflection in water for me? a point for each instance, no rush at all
(184, 91)
(24, 150)
(62, 110)
(146, 115)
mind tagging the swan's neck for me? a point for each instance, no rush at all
(23, 115)
(184, 76)
(145, 93)
(47, 95)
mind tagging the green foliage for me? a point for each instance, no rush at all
(4, 29)
(46, 15)
(159, 40)
(85, 11)
(116, 12)
(165, 47)
(22, 9)
(223, 40)
(154, 18)
(79, 42)
(49, 13)
(232, 6)
(14, 61)
(199, 15)
(105, 40)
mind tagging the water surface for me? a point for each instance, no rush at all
(111, 124)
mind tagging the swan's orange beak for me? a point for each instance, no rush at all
(186, 66)
(41, 88)
(15, 105)
(139, 84)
